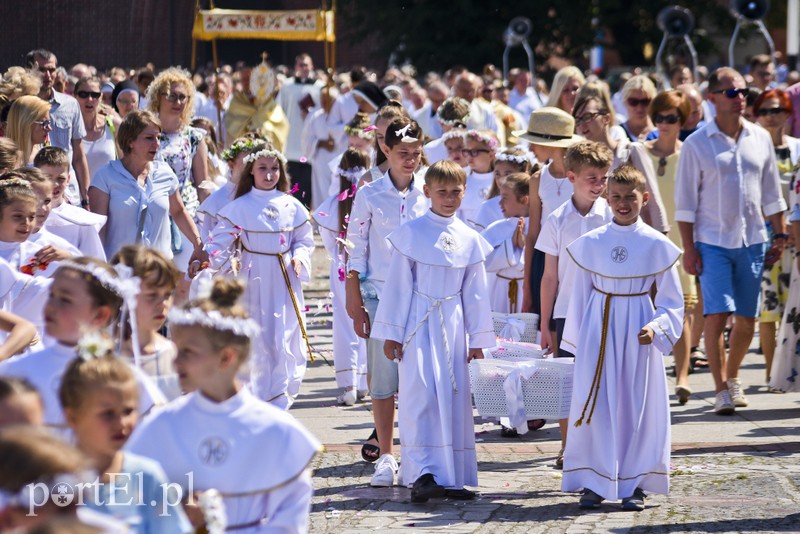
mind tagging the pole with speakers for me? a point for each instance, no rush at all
(750, 12)
(677, 23)
(517, 35)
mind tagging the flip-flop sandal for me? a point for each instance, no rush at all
(697, 362)
(368, 449)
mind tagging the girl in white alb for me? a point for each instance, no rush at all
(508, 161)
(207, 212)
(480, 147)
(253, 454)
(506, 263)
(85, 297)
(333, 216)
(265, 237)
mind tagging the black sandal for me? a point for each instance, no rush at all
(369, 448)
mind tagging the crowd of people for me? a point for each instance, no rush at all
(157, 227)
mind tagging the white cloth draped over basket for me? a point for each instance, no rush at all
(522, 327)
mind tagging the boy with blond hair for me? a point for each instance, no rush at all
(438, 299)
(619, 445)
(77, 226)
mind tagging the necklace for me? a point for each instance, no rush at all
(662, 165)
(559, 183)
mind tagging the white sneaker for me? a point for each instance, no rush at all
(735, 389)
(385, 468)
(348, 398)
(724, 404)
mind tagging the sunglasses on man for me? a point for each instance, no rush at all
(731, 93)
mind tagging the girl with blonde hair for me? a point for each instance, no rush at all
(28, 125)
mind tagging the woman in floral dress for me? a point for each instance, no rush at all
(171, 97)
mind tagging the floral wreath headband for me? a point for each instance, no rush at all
(266, 153)
(490, 142)
(351, 174)
(9, 182)
(230, 153)
(364, 133)
(520, 159)
(214, 320)
(451, 122)
(459, 133)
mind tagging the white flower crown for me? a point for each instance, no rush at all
(230, 153)
(521, 159)
(452, 134)
(266, 153)
(214, 320)
(351, 174)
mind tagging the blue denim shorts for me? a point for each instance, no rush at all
(731, 278)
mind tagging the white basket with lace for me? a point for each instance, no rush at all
(514, 352)
(522, 390)
(516, 326)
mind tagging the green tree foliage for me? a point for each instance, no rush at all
(436, 34)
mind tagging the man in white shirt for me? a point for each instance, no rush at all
(426, 115)
(68, 127)
(522, 97)
(216, 106)
(297, 96)
(727, 183)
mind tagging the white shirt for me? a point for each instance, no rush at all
(126, 202)
(559, 230)
(379, 208)
(289, 98)
(482, 117)
(79, 227)
(723, 185)
(429, 120)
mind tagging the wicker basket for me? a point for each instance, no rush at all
(503, 330)
(515, 352)
(546, 394)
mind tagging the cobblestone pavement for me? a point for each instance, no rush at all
(729, 474)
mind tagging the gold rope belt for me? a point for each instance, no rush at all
(513, 292)
(598, 372)
(285, 273)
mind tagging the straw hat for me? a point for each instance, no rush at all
(550, 126)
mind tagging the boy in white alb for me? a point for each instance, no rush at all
(77, 226)
(587, 164)
(506, 263)
(379, 208)
(619, 443)
(438, 297)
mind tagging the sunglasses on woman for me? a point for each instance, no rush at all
(731, 93)
(88, 94)
(639, 102)
(763, 112)
(44, 124)
(669, 119)
(588, 117)
(176, 97)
